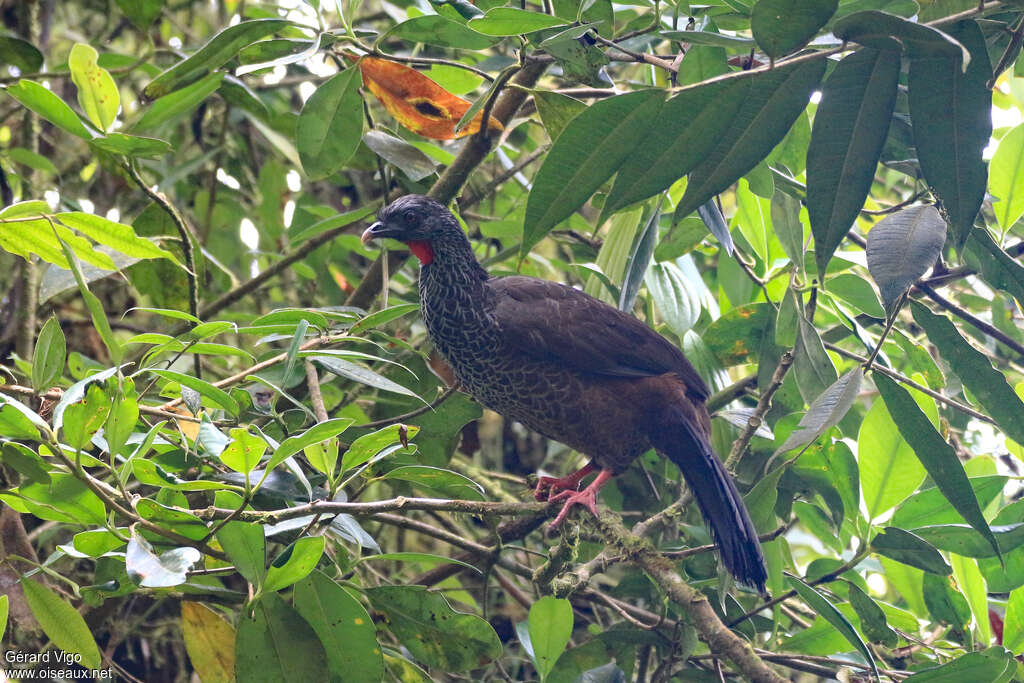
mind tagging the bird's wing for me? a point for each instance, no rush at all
(551, 321)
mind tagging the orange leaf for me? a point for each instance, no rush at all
(417, 102)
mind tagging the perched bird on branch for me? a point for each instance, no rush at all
(574, 369)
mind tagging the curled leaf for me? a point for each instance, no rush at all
(417, 102)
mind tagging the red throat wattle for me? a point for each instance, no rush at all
(422, 250)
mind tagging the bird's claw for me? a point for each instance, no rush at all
(546, 486)
(587, 498)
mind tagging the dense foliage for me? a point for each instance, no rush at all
(226, 449)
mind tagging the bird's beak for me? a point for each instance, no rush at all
(372, 232)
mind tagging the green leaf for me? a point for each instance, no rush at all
(988, 666)
(1013, 624)
(276, 644)
(294, 563)
(698, 116)
(338, 221)
(433, 632)
(62, 623)
(4, 609)
(889, 472)
(901, 247)
(423, 558)
(550, 627)
(321, 431)
(29, 158)
(357, 373)
(951, 113)
(97, 93)
(966, 541)
(826, 411)
(710, 38)
(510, 21)
(812, 365)
(244, 451)
(84, 418)
(931, 507)
(676, 299)
(828, 611)
(75, 392)
(343, 626)
(945, 603)
(117, 236)
(400, 154)
(988, 385)
(52, 108)
(1006, 178)
(246, 547)
(910, 549)
(446, 483)
(856, 291)
(142, 13)
(585, 155)
(21, 459)
(131, 145)
(20, 53)
(64, 499)
(218, 396)
(433, 29)
(889, 32)
(781, 26)
(996, 266)
(213, 55)
(330, 125)
(556, 111)
(49, 355)
(938, 457)
(972, 585)
(96, 312)
(774, 101)
(872, 618)
(179, 102)
(849, 130)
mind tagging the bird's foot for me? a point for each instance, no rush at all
(587, 497)
(548, 486)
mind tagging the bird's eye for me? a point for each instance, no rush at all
(409, 217)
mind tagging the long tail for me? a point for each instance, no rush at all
(681, 439)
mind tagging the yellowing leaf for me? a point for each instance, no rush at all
(97, 92)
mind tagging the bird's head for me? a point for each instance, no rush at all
(416, 220)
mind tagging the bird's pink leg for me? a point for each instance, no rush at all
(587, 497)
(548, 485)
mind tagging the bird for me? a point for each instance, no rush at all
(574, 369)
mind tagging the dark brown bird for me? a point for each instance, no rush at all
(572, 368)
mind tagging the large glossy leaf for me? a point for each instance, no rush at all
(820, 604)
(330, 125)
(52, 108)
(964, 540)
(988, 666)
(997, 267)
(952, 121)
(510, 21)
(275, 643)
(945, 603)
(294, 563)
(812, 365)
(115, 235)
(908, 548)
(938, 457)
(929, 506)
(215, 394)
(434, 29)
(973, 368)
(550, 627)
(434, 633)
(179, 102)
(972, 585)
(245, 544)
(1006, 178)
(781, 26)
(358, 373)
(343, 626)
(901, 248)
(1013, 625)
(889, 472)
(61, 623)
(849, 130)
(590, 149)
(675, 297)
(698, 117)
(49, 355)
(890, 32)
(775, 100)
(212, 55)
(826, 411)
